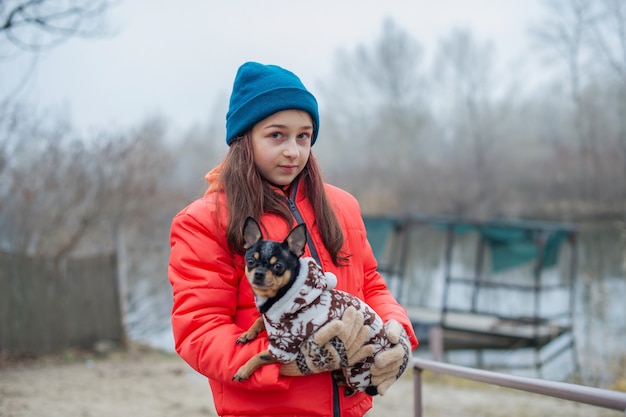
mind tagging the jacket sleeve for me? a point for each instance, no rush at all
(374, 288)
(378, 295)
(205, 286)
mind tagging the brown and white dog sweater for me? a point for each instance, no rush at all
(310, 303)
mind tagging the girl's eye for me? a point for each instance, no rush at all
(276, 135)
(304, 136)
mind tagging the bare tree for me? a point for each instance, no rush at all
(33, 25)
(608, 38)
(564, 32)
(384, 74)
(467, 144)
(375, 100)
(607, 35)
(62, 193)
(468, 107)
(590, 38)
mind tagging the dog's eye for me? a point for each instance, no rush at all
(250, 263)
(278, 268)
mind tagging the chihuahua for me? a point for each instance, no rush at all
(295, 298)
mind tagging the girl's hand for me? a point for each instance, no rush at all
(390, 364)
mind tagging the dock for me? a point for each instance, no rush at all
(501, 246)
(471, 331)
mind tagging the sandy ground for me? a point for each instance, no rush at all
(145, 383)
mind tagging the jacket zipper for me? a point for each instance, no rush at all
(291, 203)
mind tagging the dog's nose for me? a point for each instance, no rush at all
(259, 277)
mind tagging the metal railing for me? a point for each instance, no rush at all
(613, 400)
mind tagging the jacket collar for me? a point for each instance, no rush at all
(213, 178)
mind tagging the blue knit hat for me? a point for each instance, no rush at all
(262, 90)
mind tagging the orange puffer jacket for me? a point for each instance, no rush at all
(213, 304)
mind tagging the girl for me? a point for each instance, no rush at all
(270, 174)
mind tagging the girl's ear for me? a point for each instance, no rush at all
(251, 233)
(296, 240)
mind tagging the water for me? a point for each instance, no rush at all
(598, 304)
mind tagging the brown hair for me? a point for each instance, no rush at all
(247, 194)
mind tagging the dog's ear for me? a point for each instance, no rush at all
(296, 240)
(251, 233)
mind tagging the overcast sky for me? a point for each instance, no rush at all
(176, 58)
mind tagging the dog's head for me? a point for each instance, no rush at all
(271, 265)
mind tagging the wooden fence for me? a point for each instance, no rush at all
(47, 307)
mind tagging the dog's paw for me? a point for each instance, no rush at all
(241, 375)
(246, 337)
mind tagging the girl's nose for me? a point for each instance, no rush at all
(291, 148)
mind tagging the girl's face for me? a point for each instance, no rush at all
(281, 145)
